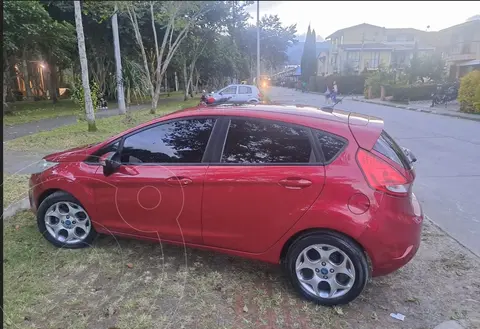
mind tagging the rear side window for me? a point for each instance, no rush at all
(331, 146)
(229, 90)
(244, 90)
(182, 141)
(259, 141)
(389, 148)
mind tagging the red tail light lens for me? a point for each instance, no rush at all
(381, 176)
(260, 96)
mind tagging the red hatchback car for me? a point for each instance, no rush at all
(328, 194)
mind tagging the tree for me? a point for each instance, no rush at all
(118, 62)
(312, 58)
(84, 65)
(305, 61)
(178, 17)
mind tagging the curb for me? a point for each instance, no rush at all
(405, 107)
(14, 208)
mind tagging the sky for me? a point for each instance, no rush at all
(327, 17)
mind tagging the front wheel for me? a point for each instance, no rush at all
(327, 268)
(64, 222)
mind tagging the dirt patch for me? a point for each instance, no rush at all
(122, 283)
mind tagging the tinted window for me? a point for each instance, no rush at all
(389, 148)
(229, 90)
(244, 90)
(113, 147)
(251, 141)
(182, 141)
(330, 145)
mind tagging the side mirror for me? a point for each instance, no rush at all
(409, 155)
(110, 162)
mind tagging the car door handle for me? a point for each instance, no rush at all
(178, 181)
(295, 183)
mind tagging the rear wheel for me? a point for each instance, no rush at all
(327, 268)
(64, 222)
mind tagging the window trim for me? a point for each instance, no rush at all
(97, 163)
(222, 139)
(203, 162)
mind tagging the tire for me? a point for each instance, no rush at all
(253, 101)
(66, 220)
(325, 272)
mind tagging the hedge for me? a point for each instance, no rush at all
(469, 93)
(347, 84)
(412, 93)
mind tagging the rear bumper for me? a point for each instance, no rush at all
(393, 238)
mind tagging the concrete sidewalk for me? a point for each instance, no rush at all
(421, 107)
(12, 132)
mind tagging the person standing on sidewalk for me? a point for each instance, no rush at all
(334, 93)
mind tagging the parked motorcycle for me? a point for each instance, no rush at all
(444, 94)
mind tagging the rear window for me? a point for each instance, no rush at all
(389, 148)
(331, 146)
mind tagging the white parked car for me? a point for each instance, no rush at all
(239, 93)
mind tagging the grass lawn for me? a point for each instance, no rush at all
(120, 283)
(29, 111)
(15, 188)
(74, 135)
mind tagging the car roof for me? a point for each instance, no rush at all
(239, 85)
(279, 109)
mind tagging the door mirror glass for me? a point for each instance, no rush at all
(110, 162)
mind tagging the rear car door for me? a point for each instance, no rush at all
(245, 93)
(157, 191)
(264, 178)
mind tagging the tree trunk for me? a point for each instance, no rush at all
(52, 86)
(26, 75)
(176, 81)
(197, 78)
(118, 63)
(6, 78)
(185, 81)
(84, 65)
(166, 86)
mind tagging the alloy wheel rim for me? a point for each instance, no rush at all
(325, 271)
(67, 222)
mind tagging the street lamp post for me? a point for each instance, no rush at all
(258, 43)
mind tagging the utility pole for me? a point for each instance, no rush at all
(118, 63)
(258, 43)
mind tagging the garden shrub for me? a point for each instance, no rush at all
(469, 92)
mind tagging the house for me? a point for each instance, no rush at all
(460, 46)
(366, 47)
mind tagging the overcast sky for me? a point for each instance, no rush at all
(328, 16)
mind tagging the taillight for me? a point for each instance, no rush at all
(260, 96)
(382, 176)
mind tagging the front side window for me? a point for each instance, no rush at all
(257, 142)
(229, 91)
(182, 141)
(112, 147)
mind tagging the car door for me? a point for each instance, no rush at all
(245, 93)
(230, 91)
(263, 180)
(157, 191)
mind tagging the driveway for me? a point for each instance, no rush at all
(448, 166)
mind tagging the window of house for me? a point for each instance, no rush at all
(182, 141)
(258, 141)
(229, 90)
(244, 90)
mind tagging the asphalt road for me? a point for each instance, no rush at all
(448, 166)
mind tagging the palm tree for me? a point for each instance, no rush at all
(84, 65)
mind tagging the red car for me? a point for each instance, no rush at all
(327, 194)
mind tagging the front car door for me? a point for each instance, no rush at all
(157, 191)
(230, 91)
(264, 179)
